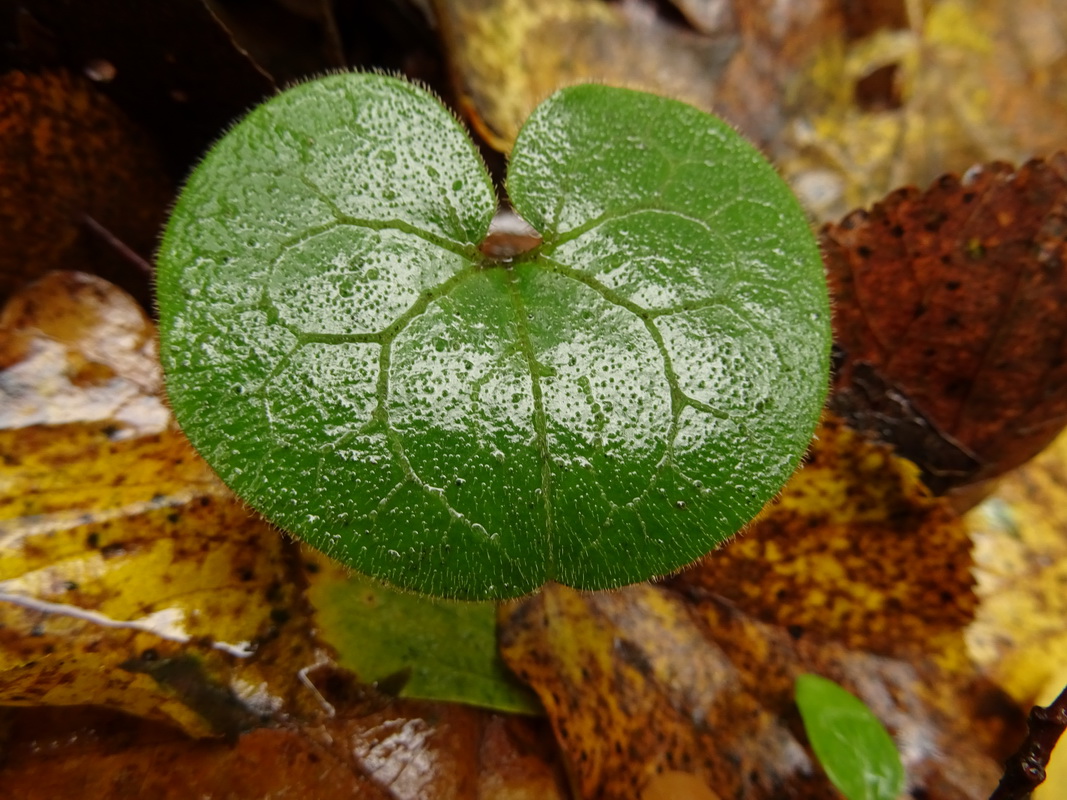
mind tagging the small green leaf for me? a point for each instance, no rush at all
(431, 649)
(605, 408)
(854, 748)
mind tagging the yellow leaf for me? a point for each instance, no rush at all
(972, 81)
(129, 576)
(1020, 634)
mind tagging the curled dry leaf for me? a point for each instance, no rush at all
(67, 154)
(696, 676)
(955, 297)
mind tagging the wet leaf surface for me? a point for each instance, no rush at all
(68, 155)
(342, 352)
(374, 749)
(655, 680)
(954, 296)
(130, 578)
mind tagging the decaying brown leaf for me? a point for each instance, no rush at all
(373, 749)
(696, 676)
(68, 159)
(955, 296)
(853, 551)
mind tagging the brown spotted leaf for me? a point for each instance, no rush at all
(852, 551)
(954, 297)
(76, 172)
(854, 573)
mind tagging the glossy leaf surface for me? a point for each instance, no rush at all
(853, 747)
(605, 408)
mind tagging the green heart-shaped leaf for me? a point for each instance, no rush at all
(602, 409)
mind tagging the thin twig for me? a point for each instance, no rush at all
(1026, 769)
(119, 246)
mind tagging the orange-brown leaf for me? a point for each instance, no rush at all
(853, 550)
(955, 297)
(373, 749)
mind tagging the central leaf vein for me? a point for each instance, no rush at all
(539, 420)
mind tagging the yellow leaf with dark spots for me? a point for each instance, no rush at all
(129, 576)
(853, 549)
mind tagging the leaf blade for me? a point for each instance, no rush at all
(856, 751)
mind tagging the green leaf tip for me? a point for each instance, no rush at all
(602, 409)
(854, 748)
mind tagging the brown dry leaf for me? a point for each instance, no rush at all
(508, 55)
(954, 83)
(696, 676)
(955, 298)
(373, 749)
(129, 576)
(68, 154)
